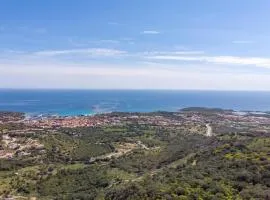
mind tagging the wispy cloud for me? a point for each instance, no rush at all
(76, 43)
(150, 32)
(105, 42)
(12, 51)
(87, 52)
(230, 60)
(145, 70)
(77, 76)
(170, 53)
(110, 41)
(243, 42)
(128, 40)
(84, 43)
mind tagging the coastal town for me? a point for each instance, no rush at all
(189, 121)
(158, 118)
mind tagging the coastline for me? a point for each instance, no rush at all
(89, 102)
(206, 110)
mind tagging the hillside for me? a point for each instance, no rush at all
(136, 156)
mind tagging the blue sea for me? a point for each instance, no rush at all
(87, 102)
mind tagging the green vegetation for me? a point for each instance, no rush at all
(166, 163)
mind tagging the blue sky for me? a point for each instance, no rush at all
(142, 44)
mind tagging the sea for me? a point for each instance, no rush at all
(89, 102)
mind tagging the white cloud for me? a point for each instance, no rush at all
(84, 43)
(99, 70)
(88, 52)
(153, 32)
(100, 42)
(230, 60)
(76, 43)
(109, 41)
(243, 42)
(165, 53)
(144, 70)
(125, 77)
(127, 39)
(12, 51)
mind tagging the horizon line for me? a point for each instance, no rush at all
(137, 89)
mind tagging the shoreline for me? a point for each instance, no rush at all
(90, 102)
(38, 116)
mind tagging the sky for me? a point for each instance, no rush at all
(140, 44)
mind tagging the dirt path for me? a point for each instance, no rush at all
(209, 131)
(121, 149)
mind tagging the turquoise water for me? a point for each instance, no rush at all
(83, 102)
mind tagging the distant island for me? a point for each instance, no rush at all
(195, 153)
